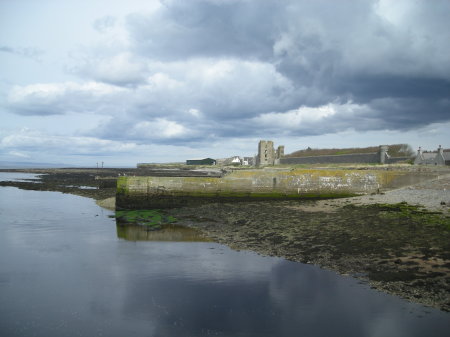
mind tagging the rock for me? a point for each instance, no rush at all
(109, 203)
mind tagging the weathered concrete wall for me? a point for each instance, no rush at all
(162, 192)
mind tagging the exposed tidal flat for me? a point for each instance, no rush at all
(398, 241)
(396, 248)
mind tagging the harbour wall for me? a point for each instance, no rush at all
(264, 184)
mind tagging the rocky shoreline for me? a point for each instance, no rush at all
(82, 182)
(398, 241)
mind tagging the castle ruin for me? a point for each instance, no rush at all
(267, 155)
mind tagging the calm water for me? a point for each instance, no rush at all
(66, 270)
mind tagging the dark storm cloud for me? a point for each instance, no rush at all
(212, 69)
(367, 88)
(408, 113)
(359, 51)
(183, 29)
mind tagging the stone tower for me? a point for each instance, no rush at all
(383, 152)
(280, 152)
(266, 153)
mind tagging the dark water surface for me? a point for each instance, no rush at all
(65, 272)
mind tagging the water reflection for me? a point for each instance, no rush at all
(286, 299)
(65, 272)
(173, 233)
(20, 177)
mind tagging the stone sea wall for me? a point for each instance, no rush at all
(163, 192)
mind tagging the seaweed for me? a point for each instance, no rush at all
(416, 214)
(152, 218)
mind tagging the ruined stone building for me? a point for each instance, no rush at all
(267, 154)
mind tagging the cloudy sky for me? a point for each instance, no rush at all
(167, 80)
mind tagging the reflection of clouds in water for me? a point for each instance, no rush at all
(190, 287)
(312, 298)
(182, 287)
(18, 176)
(184, 307)
(324, 302)
(112, 286)
(218, 289)
(384, 326)
(205, 261)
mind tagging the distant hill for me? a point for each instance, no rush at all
(396, 150)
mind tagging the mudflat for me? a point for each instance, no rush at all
(400, 249)
(87, 182)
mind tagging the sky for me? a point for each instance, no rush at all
(126, 82)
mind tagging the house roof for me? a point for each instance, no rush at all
(429, 155)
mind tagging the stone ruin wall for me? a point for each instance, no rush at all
(268, 156)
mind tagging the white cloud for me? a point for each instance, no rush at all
(37, 146)
(295, 118)
(308, 117)
(104, 23)
(159, 128)
(227, 88)
(55, 90)
(195, 112)
(234, 88)
(120, 69)
(60, 98)
(163, 81)
(34, 140)
(18, 154)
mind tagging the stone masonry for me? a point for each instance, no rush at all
(267, 155)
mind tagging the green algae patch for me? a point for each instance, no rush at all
(122, 185)
(167, 233)
(153, 218)
(273, 195)
(415, 215)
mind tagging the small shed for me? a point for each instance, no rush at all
(205, 161)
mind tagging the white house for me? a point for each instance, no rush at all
(439, 157)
